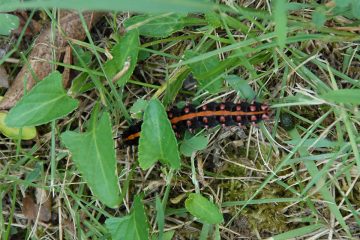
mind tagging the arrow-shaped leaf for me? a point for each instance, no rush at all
(203, 209)
(157, 140)
(47, 101)
(130, 227)
(94, 155)
(126, 50)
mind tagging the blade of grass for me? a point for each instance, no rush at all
(182, 6)
(280, 18)
(299, 232)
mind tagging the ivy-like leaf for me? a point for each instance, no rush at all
(157, 140)
(131, 227)
(138, 108)
(195, 143)
(319, 17)
(47, 101)
(8, 23)
(241, 86)
(203, 209)
(166, 236)
(126, 50)
(201, 71)
(156, 25)
(94, 155)
(174, 87)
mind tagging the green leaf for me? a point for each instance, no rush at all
(345, 8)
(195, 143)
(293, 6)
(203, 209)
(319, 17)
(130, 227)
(84, 56)
(173, 87)
(351, 96)
(138, 108)
(355, 8)
(157, 140)
(124, 52)
(156, 25)
(80, 84)
(241, 86)
(46, 102)
(94, 155)
(200, 71)
(342, 3)
(280, 18)
(120, 228)
(166, 236)
(8, 23)
(169, 235)
(27, 133)
(213, 19)
(160, 217)
(35, 174)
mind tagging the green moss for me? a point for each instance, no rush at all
(261, 217)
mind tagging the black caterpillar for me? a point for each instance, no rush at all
(206, 116)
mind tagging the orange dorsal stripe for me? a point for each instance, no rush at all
(188, 116)
(133, 136)
(213, 113)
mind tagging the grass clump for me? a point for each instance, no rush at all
(294, 176)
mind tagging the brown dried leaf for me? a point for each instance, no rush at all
(4, 77)
(43, 200)
(29, 208)
(66, 72)
(33, 28)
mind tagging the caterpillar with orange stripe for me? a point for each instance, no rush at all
(206, 116)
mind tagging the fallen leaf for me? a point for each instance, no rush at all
(43, 200)
(66, 72)
(4, 78)
(29, 208)
(33, 28)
